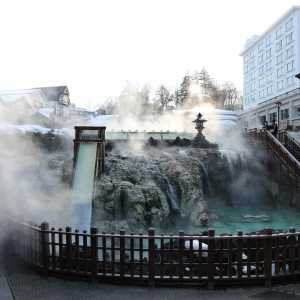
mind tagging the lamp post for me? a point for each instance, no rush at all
(278, 104)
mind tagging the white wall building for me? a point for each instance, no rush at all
(270, 63)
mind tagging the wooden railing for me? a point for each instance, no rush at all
(275, 145)
(122, 257)
(285, 138)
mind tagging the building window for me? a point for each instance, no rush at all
(262, 120)
(279, 32)
(285, 114)
(289, 24)
(261, 82)
(279, 58)
(290, 51)
(269, 77)
(253, 86)
(245, 58)
(290, 65)
(268, 52)
(269, 65)
(253, 97)
(261, 70)
(252, 64)
(261, 93)
(247, 89)
(279, 45)
(246, 100)
(252, 53)
(297, 111)
(252, 75)
(246, 68)
(268, 41)
(273, 117)
(280, 71)
(260, 58)
(260, 47)
(269, 90)
(289, 37)
(280, 85)
(290, 80)
(247, 78)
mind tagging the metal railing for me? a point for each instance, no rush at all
(121, 257)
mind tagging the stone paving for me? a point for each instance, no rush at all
(26, 282)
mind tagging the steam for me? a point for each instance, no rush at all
(30, 189)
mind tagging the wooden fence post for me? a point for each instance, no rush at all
(45, 247)
(239, 255)
(268, 257)
(211, 260)
(151, 266)
(181, 253)
(94, 253)
(68, 248)
(122, 253)
(292, 250)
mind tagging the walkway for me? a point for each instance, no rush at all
(28, 283)
(5, 293)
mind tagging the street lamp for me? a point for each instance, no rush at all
(278, 104)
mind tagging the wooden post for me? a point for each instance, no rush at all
(151, 265)
(181, 247)
(292, 250)
(122, 253)
(239, 255)
(45, 247)
(68, 248)
(94, 253)
(211, 260)
(268, 257)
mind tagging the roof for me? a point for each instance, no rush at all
(53, 93)
(15, 98)
(15, 92)
(273, 26)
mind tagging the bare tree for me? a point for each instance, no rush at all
(162, 97)
(231, 97)
(108, 106)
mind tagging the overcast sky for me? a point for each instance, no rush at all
(94, 46)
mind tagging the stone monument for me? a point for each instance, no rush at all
(200, 140)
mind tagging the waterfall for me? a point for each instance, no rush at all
(205, 179)
(172, 194)
(235, 161)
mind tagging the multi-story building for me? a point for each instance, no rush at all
(270, 63)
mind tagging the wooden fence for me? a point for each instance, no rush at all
(122, 257)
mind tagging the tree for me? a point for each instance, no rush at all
(231, 97)
(162, 97)
(108, 106)
(184, 89)
(205, 80)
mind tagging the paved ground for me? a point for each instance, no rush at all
(28, 283)
(5, 293)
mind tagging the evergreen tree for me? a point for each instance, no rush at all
(205, 80)
(184, 89)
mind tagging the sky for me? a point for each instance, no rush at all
(94, 46)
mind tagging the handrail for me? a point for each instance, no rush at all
(283, 148)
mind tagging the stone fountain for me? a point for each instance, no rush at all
(200, 140)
